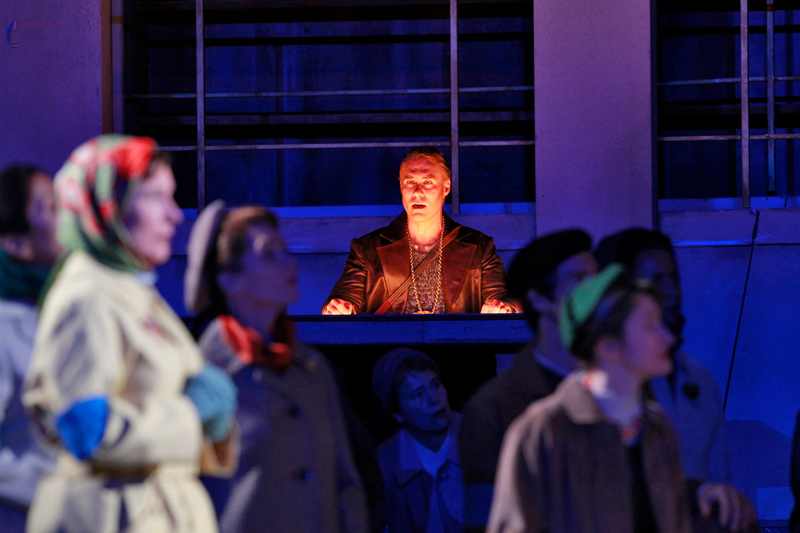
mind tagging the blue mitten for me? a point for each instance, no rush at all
(214, 395)
(81, 427)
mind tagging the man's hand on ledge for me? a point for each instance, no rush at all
(337, 306)
(735, 510)
(497, 306)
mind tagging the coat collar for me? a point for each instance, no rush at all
(529, 377)
(217, 351)
(396, 263)
(581, 407)
(396, 230)
(409, 465)
(579, 404)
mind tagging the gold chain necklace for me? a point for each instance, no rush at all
(419, 310)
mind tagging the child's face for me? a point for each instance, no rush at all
(422, 403)
(646, 341)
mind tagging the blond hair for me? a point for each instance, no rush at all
(428, 153)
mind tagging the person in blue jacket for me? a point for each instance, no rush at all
(420, 464)
(28, 249)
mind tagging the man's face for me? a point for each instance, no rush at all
(422, 403)
(569, 273)
(424, 188)
(659, 268)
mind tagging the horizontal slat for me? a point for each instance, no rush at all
(338, 118)
(211, 5)
(692, 138)
(445, 329)
(764, 137)
(293, 94)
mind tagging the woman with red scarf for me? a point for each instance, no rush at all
(296, 472)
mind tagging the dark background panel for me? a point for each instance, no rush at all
(713, 280)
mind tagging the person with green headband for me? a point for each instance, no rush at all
(116, 383)
(594, 456)
(689, 395)
(28, 249)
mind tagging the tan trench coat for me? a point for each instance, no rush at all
(105, 333)
(563, 468)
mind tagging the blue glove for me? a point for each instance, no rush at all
(214, 395)
(81, 427)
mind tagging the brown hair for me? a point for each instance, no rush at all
(122, 187)
(15, 191)
(429, 153)
(231, 241)
(608, 318)
(159, 156)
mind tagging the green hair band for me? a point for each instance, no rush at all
(581, 302)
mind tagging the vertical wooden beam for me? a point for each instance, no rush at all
(106, 66)
(745, 89)
(281, 191)
(201, 106)
(771, 95)
(656, 175)
(454, 192)
(117, 66)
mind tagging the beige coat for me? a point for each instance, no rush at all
(296, 472)
(105, 333)
(563, 468)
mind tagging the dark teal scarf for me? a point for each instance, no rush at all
(20, 281)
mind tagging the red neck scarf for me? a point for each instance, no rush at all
(248, 344)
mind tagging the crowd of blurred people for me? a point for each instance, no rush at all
(115, 417)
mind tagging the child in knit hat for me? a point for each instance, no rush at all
(420, 464)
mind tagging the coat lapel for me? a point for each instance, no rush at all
(579, 405)
(394, 255)
(660, 490)
(395, 263)
(455, 263)
(395, 260)
(455, 266)
(412, 481)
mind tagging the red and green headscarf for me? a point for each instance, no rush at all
(93, 190)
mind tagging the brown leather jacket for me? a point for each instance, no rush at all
(472, 272)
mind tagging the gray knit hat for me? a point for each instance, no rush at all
(385, 369)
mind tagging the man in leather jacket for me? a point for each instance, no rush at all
(463, 275)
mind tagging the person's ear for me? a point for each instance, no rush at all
(608, 349)
(447, 185)
(18, 246)
(399, 418)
